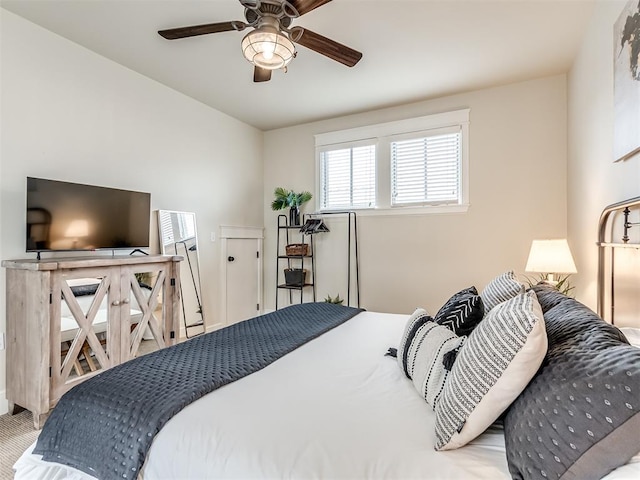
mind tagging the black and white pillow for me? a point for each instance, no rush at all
(462, 312)
(415, 321)
(430, 347)
(493, 367)
(501, 289)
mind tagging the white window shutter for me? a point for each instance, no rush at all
(426, 170)
(348, 177)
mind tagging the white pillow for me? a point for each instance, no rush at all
(501, 289)
(493, 367)
(415, 321)
(428, 349)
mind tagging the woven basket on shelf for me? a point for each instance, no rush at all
(297, 249)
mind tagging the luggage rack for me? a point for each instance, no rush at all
(318, 225)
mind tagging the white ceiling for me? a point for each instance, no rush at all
(413, 50)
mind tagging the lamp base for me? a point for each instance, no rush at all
(551, 279)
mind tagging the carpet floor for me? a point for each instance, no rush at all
(16, 434)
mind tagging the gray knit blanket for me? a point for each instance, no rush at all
(105, 425)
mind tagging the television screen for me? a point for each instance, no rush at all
(71, 216)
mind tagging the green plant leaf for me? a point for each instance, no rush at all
(562, 285)
(280, 201)
(289, 199)
(337, 300)
(303, 197)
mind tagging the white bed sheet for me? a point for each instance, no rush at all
(334, 408)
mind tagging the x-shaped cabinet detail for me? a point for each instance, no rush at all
(70, 319)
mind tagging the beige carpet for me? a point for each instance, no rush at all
(16, 434)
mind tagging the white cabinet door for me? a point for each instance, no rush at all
(242, 279)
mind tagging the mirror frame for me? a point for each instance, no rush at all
(189, 252)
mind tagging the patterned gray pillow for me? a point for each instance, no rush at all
(431, 344)
(462, 312)
(580, 415)
(415, 321)
(500, 289)
(494, 365)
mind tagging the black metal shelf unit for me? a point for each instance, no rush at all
(293, 261)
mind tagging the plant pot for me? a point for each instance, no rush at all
(294, 216)
(295, 277)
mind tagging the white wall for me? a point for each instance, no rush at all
(594, 181)
(72, 115)
(518, 150)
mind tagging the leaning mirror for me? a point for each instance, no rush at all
(178, 236)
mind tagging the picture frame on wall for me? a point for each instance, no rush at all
(626, 79)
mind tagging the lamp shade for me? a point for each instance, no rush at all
(267, 48)
(550, 256)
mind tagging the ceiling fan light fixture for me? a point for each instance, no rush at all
(268, 48)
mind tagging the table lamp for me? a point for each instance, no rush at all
(550, 257)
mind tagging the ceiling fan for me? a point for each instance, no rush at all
(269, 46)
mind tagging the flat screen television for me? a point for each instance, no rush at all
(64, 216)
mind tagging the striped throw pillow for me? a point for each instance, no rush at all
(501, 289)
(430, 345)
(494, 365)
(415, 321)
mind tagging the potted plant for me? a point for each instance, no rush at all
(337, 300)
(292, 200)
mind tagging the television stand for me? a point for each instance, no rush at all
(137, 250)
(56, 340)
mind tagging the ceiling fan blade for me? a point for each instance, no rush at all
(195, 30)
(305, 6)
(327, 47)
(261, 74)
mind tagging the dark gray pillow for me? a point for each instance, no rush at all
(462, 312)
(82, 290)
(579, 417)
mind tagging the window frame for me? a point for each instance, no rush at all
(382, 135)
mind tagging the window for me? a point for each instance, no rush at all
(348, 177)
(426, 170)
(417, 165)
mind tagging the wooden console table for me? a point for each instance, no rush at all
(42, 363)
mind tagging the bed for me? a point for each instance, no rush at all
(338, 407)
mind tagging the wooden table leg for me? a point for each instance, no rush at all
(39, 419)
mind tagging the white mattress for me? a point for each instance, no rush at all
(334, 408)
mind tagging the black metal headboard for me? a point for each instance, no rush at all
(607, 246)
